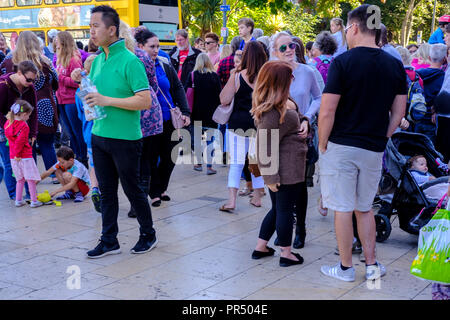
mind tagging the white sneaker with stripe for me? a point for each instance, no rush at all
(336, 272)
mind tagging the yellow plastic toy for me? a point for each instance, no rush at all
(44, 197)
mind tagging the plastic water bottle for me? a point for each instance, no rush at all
(86, 87)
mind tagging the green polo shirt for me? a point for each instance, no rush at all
(121, 75)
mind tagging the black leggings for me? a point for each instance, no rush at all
(161, 148)
(280, 216)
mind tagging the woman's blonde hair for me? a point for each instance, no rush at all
(125, 32)
(406, 56)
(227, 51)
(203, 64)
(272, 89)
(20, 106)
(340, 23)
(28, 48)
(423, 53)
(67, 49)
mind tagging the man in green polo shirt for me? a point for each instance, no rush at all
(123, 90)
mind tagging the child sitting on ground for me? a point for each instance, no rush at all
(20, 152)
(419, 171)
(87, 129)
(72, 174)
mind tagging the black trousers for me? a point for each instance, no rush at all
(162, 146)
(120, 159)
(280, 217)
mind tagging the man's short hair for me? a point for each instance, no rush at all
(27, 66)
(248, 23)
(198, 40)
(361, 16)
(182, 33)
(213, 36)
(65, 152)
(438, 52)
(110, 17)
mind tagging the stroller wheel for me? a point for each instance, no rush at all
(383, 227)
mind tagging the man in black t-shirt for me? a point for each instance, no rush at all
(363, 103)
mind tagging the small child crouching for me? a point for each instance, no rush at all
(72, 174)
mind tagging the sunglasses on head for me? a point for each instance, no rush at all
(284, 47)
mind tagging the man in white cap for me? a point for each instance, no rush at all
(48, 50)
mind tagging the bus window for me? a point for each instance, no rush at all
(40, 34)
(6, 3)
(75, 1)
(11, 38)
(22, 3)
(80, 35)
(51, 1)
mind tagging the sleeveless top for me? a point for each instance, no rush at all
(240, 117)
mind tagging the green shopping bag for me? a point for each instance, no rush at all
(433, 255)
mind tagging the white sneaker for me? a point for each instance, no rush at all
(375, 272)
(336, 272)
(20, 203)
(35, 204)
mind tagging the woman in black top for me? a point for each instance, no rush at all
(241, 127)
(206, 84)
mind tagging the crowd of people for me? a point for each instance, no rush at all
(336, 100)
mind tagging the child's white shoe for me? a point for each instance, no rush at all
(20, 203)
(35, 204)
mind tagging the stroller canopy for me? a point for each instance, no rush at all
(404, 145)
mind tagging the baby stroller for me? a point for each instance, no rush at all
(409, 202)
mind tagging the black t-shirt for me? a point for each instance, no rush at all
(368, 79)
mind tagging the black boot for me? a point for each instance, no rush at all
(299, 241)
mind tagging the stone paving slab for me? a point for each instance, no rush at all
(202, 254)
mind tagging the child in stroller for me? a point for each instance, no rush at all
(419, 171)
(400, 192)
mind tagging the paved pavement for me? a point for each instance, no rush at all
(202, 253)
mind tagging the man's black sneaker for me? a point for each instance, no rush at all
(145, 244)
(103, 249)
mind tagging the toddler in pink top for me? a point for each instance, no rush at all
(20, 152)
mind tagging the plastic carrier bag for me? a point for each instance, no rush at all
(433, 255)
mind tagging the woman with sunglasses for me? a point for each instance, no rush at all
(28, 47)
(15, 86)
(212, 48)
(305, 91)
